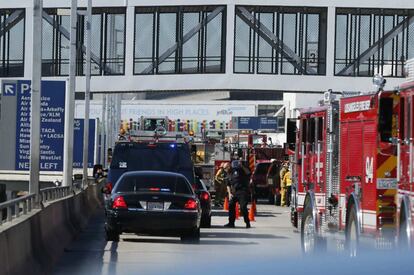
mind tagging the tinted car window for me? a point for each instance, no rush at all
(154, 183)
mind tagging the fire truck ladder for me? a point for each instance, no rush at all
(331, 164)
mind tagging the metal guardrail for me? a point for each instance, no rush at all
(54, 193)
(13, 209)
(16, 207)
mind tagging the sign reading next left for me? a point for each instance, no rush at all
(52, 123)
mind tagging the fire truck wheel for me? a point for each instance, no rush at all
(352, 236)
(308, 232)
(404, 232)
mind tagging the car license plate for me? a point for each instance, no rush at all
(154, 206)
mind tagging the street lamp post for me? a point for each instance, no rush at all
(34, 187)
(87, 92)
(70, 101)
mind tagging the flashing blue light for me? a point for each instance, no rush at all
(172, 145)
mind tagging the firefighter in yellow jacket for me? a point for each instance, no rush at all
(283, 189)
(287, 179)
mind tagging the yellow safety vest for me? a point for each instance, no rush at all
(287, 178)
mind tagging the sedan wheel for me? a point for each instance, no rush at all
(352, 237)
(404, 233)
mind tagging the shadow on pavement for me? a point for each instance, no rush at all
(151, 240)
(216, 213)
(86, 254)
(241, 235)
(203, 241)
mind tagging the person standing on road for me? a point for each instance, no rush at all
(287, 179)
(282, 173)
(238, 189)
(274, 181)
(220, 185)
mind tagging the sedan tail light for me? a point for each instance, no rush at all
(191, 204)
(204, 196)
(119, 203)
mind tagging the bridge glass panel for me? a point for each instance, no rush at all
(370, 41)
(179, 40)
(12, 22)
(107, 46)
(259, 47)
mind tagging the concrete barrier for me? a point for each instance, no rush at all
(33, 243)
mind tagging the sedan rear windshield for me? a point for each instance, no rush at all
(154, 183)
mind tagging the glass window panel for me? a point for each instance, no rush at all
(265, 55)
(115, 36)
(144, 47)
(214, 44)
(241, 50)
(64, 45)
(167, 38)
(312, 41)
(364, 40)
(12, 45)
(289, 39)
(190, 60)
(96, 42)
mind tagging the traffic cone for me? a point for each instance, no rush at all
(251, 214)
(226, 204)
(237, 211)
(254, 207)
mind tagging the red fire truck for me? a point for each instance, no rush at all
(405, 162)
(345, 170)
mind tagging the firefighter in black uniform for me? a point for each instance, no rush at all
(238, 190)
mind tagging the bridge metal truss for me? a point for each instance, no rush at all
(274, 41)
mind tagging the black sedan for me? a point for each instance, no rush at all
(205, 201)
(153, 203)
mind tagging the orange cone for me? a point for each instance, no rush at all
(226, 204)
(251, 214)
(254, 207)
(237, 211)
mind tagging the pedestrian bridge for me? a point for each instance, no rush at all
(35, 230)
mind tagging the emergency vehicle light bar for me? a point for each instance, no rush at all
(155, 137)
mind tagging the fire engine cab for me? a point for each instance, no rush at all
(345, 167)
